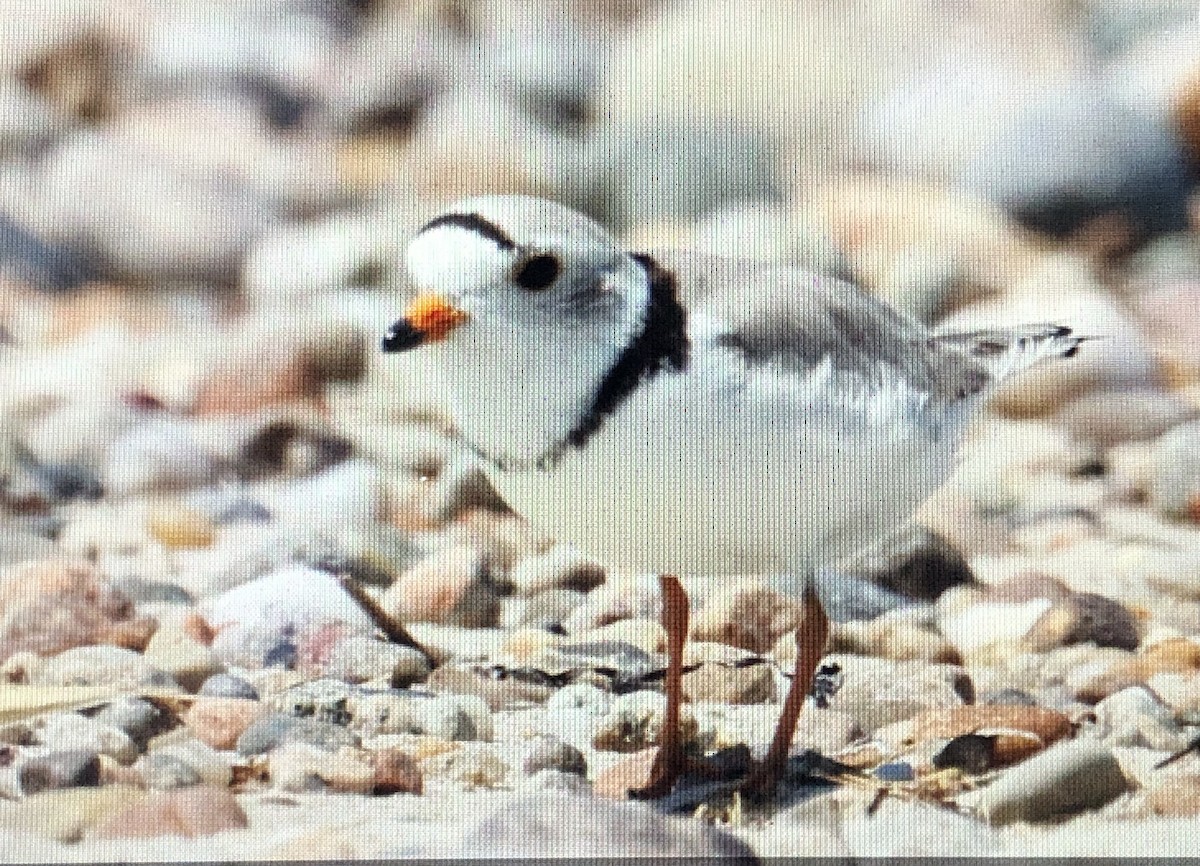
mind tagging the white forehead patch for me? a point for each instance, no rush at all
(451, 261)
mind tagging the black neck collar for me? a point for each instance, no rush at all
(662, 342)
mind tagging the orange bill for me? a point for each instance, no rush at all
(428, 318)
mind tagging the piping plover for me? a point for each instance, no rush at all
(679, 413)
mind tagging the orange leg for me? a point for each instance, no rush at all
(670, 761)
(810, 645)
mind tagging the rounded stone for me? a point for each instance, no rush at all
(551, 753)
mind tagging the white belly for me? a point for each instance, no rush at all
(734, 485)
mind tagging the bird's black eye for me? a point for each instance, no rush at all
(537, 272)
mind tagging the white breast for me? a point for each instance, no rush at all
(730, 471)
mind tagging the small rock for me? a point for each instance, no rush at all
(617, 600)
(730, 685)
(498, 693)
(1177, 655)
(915, 563)
(452, 585)
(1070, 778)
(748, 615)
(634, 721)
(138, 718)
(1085, 617)
(551, 753)
(1175, 489)
(50, 606)
(189, 662)
(1135, 717)
(199, 810)
(631, 772)
(177, 527)
(646, 635)
(357, 659)
(396, 772)
(475, 765)
(101, 666)
(531, 825)
(65, 769)
(64, 815)
(876, 692)
(561, 567)
(221, 722)
(213, 767)
(222, 685)
(297, 606)
(72, 732)
(1049, 726)
(159, 455)
(894, 638)
(897, 831)
(584, 696)
(543, 610)
(301, 767)
(166, 772)
(1177, 798)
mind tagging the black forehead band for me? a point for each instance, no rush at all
(475, 223)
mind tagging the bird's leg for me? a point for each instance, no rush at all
(810, 645)
(670, 761)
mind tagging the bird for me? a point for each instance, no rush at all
(678, 413)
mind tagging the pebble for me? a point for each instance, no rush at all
(498, 692)
(223, 685)
(560, 567)
(396, 772)
(914, 562)
(877, 692)
(893, 637)
(54, 605)
(452, 585)
(63, 769)
(634, 721)
(65, 814)
(617, 600)
(71, 731)
(1135, 717)
(178, 527)
(551, 753)
(748, 615)
(197, 810)
(137, 717)
(301, 767)
(899, 830)
(730, 685)
(270, 731)
(473, 765)
(1177, 798)
(101, 666)
(1070, 778)
(162, 455)
(165, 772)
(547, 609)
(358, 659)
(1175, 486)
(294, 605)
(175, 651)
(1085, 617)
(213, 767)
(221, 722)
(530, 825)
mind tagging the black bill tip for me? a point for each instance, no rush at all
(401, 337)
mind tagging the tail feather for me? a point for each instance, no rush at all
(1007, 351)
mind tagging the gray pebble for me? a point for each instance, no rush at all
(165, 772)
(551, 753)
(1066, 779)
(137, 717)
(101, 666)
(530, 825)
(70, 768)
(228, 686)
(358, 659)
(141, 590)
(271, 731)
(71, 732)
(1176, 483)
(324, 700)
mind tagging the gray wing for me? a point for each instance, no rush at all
(794, 318)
